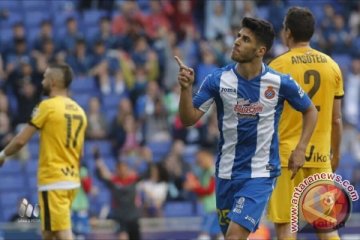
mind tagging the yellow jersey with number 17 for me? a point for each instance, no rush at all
(321, 78)
(62, 123)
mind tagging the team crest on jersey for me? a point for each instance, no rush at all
(269, 92)
(246, 109)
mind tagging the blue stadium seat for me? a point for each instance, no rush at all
(13, 166)
(103, 145)
(12, 182)
(5, 35)
(110, 114)
(111, 101)
(13, 18)
(30, 5)
(92, 17)
(159, 149)
(33, 147)
(11, 5)
(189, 154)
(344, 60)
(83, 85)
(82, 100)
(178, 209)
(7, 213)
(34, 19)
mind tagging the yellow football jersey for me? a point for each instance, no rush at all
(321, 78)
(62, 123)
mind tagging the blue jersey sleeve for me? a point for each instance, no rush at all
(205, 96)
(294, 94)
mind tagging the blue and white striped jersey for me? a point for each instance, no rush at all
(248, 113)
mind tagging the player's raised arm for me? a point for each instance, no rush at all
(188, 114)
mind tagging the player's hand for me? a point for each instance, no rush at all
(186, 74)
(296, 161)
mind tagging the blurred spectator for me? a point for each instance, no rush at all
(177, 169)
(79, 59)
(189, 135)
(217, 19)
(72, 35)
(339, 37)
(352, 96)
(153, 190)
(45, 34)
(6, 133)
(105, 35)
(19, 55)
(131, 143)
(117, 130)
(158, 17)
(122, 184)
(80, 206)
(129, 13)
(96, 4)
(203, 185)
(26, 86)
(183, 18)
(97, 123)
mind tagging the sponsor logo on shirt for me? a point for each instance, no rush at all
(229, 90)
(244, 108)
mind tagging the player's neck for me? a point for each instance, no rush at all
(299, 45)
(249, 70)
(59, 92)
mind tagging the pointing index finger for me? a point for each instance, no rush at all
(180, 63)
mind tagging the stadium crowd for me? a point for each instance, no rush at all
(126, 80)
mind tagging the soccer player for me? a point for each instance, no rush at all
(249, 98)
(62, 123)
(321, 78)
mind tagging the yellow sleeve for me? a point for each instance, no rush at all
(339, 85)
(39, 115)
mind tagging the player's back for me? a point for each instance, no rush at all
(321, 78)
(62, 123)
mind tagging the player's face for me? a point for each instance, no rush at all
(245, 47)
(46, 83)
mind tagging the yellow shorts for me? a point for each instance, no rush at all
(55, 209)
(280, 200)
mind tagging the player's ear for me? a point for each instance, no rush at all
(261, 51)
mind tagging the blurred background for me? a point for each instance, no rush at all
(126, 80)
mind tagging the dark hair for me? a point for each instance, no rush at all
(301, 23)
(263, 30)
(66, 71)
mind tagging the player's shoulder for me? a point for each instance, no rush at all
(219, 71)
(272, 71)
(284, 57)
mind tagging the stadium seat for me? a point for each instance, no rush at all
(12, 166)
(159, 149)
(33, 148)
(83, 85)
(111, 101)
(14, 17)
(34, 19)
(82, 100)
(178, 209)
(92, 17)
(10, 5)
(31, 5)
(5, 35)
(12, 182)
